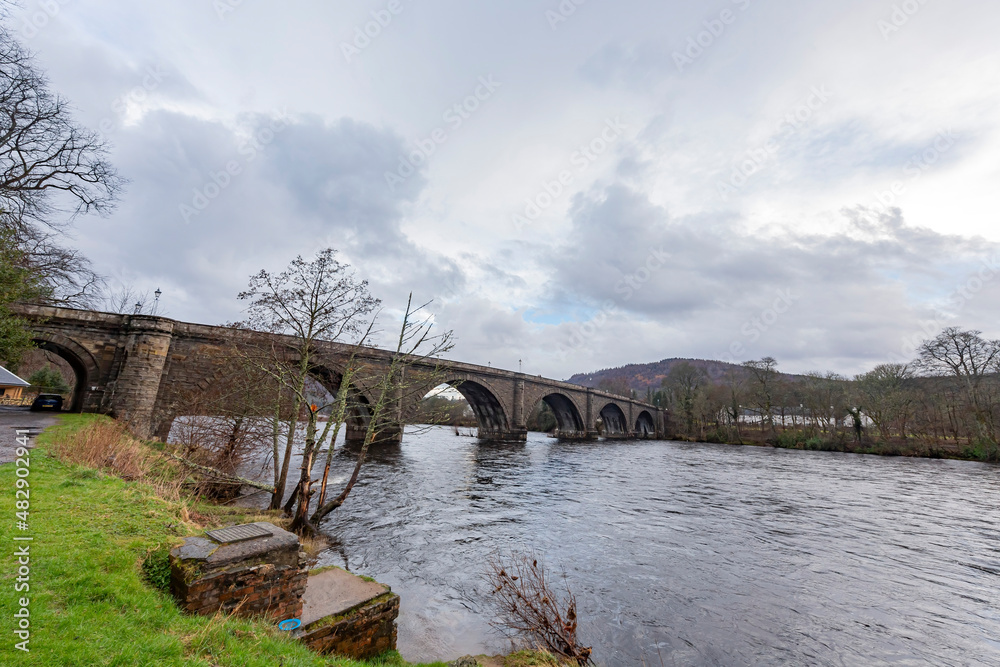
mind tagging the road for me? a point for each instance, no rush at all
(12, 419)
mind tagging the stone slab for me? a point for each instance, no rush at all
(333, 592)
(278, 547)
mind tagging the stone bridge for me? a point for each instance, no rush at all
(139, 368)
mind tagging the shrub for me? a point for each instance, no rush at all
(789, 440)
(526, 607)
(815, 442)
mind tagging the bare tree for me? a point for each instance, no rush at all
(51, 169)
(884, 395)
(735, 392)
(126, 299)
(974, 362)
(310, 301)
(416, 346)
(763, 387)
(686, 385)
(48, 163)
(229, 421)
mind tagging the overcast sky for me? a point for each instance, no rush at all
(577, 186)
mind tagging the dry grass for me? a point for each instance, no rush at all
(107, 445)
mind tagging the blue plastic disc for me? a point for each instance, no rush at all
(290, 624)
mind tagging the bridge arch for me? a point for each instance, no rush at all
(569, 422)
(358, 402)
(490, 414)
(645, 426)
(82, 362)
(615, 423)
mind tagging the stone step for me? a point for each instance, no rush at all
(333, 591)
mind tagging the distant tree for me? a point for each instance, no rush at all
(763, 387)
(617, 385)
(824, 396)
(126, 299)
(49, 380)
(885, 396)
(735, 383)
(542, 419)
(685, 384)
(974, 362)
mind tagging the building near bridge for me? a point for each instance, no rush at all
(11, 386)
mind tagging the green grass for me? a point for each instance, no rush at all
(97, 577)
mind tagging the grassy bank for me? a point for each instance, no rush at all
(91, 598)
(844, 442)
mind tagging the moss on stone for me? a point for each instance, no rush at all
(333, 620)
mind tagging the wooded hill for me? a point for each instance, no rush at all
(640, 377)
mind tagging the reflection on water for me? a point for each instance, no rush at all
(688, 553)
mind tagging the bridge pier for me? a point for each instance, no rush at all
(389, 434)
(513, 434)
(580, 436)
(133, 397)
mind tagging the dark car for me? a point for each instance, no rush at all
(47, 402)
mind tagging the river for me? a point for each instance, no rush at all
(687, 554)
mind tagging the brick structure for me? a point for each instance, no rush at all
(348, 615)
(258, 577)
(341, 613)
(364, 632)
(144, 369)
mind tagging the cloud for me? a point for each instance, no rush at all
(210, 204)
(640, 258)
(704, 283)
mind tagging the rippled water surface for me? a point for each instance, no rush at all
(689, 554)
